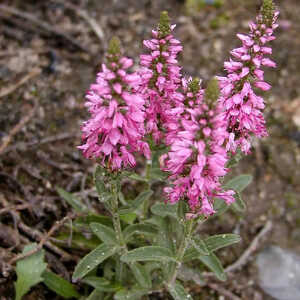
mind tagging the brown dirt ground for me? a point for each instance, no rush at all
(29, 169)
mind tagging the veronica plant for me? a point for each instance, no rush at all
(186, 137)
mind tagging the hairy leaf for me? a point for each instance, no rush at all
(59, 285)
(239, 183)
(101, 284)
(178, 292)
(72, 200)
(163, 209)
(143, 229)
(93, 259)
(216, 242)
(29, 271)
(148, 253)
(141, 275)
(214, 264)
(143, 196)
(133, 294)
(104, 233)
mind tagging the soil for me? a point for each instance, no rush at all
(43, 154)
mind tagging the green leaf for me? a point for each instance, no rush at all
(143, 196)
(239, 205)
(132, 294)
(134, 176)
(95, 295)
(72, 200)
(239, 183)
(59, 285)
(78, 240)
(143, 229)
(200, 246)
(103, 193)
(101, 284)
(214, 264)
(148, 253)
(104, 233)
(152, 265)
(197, 248)
(92, 218)
(164, 238)
(93, 259)
(234, 160)
(164, 209)
(216, 242)
(29, 271)
(128, 218)
(158, 175)
(220, 206)
(186, 273)
(178, 292)
(141, 275)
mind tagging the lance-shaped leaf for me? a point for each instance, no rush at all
(143, 196)
(164, 209)
(60, 285)
(164, 238)
(95, 295)
(134, 176)
(239, 183)
(128, 218)
(216, 242)
(72, 200)
(104, 233)
(133, 294)
(29, 271)
(93, 259)
(141, 275)
(148, 253)
(200, 246)
(214, 264)
(101, 284)
(220, 206)
(178, 292)
(93, 218)
(143, 229)
(157, 174)
(239, 205)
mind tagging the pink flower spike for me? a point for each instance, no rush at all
(268, 62)
(262, 85)
(118, 88)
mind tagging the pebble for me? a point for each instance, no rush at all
(279, 273)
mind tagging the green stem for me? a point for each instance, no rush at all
(146, 202)
(118, 230)
(188, 230)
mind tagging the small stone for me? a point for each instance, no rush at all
(279, 273)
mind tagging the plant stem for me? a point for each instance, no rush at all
(118, 229)
(146, 202)
(188, 230)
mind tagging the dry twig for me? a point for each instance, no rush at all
(24, 146)
(243, 259)
(86, 17)
(12, 88)
(44, 25)
(223, 291)
(14, 207)
(7, 139)
(37, 235)
(252, 247)
(44, 239)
